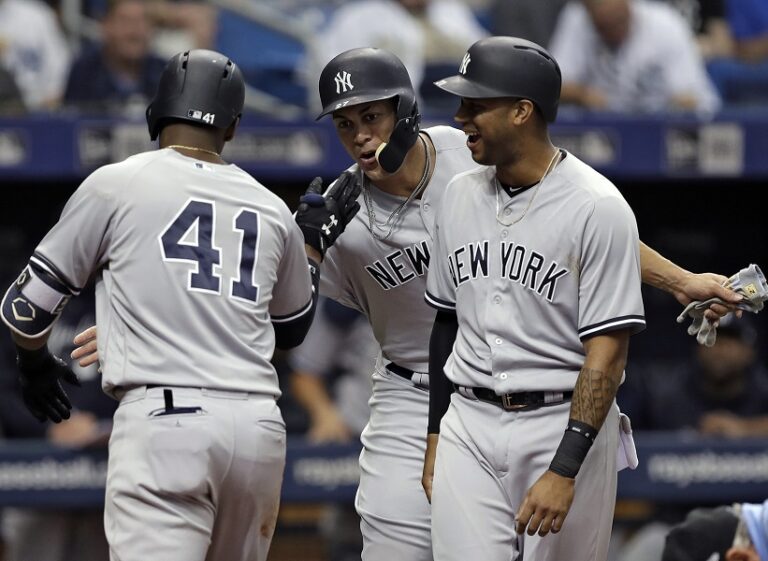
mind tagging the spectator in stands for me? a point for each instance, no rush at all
(182, 25)
(727, 533)
(10, 96)
(121, 69)
(707, 20)
(338, 352)
(630, 56)
(744, 80)
(419, 32)
(55, 535)
(33, 49)
(534, 20)
(749, 22)
(723, 390)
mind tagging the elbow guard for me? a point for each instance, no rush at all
(290, 332)
(34, 302)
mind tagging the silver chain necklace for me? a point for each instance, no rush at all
(392, 220)
(552, 163)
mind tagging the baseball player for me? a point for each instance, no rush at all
(200, 273)
(379, 267)
(536, 279)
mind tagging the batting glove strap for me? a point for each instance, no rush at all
(573, 448)
(319, 224)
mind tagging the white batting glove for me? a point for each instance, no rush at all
(749, 282)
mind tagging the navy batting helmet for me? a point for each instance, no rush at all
(508, 67)
(198, 86)
(366, 75)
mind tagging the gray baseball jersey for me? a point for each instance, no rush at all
(187, 286)
(385, 278)
(528, 293)
(530, 274)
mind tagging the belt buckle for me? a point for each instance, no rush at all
(508, 405)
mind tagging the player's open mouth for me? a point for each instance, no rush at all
(472, 139)
(368, 160)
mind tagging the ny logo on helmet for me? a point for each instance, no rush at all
(343, 81)
(464, 63)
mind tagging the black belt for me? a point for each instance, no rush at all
(520, 400)
(401, 371)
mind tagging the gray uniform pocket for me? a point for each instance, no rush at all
(180, 450)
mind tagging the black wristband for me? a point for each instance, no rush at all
(573, 448)
(29, 360)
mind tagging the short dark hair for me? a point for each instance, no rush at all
(704, 532)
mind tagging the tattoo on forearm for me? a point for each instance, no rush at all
(593, 396)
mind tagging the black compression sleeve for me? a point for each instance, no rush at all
(290, 334)
(440, 387)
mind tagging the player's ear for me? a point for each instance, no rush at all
(522, 111)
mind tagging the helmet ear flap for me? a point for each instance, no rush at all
(391, 154)
(154, 123)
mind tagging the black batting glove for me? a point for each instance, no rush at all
(40, 378)
(322, 218)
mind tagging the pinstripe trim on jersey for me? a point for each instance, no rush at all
(294, 315)
(41, 261)
(613, 324)
(436, 302)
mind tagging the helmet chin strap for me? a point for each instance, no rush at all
(391, 155)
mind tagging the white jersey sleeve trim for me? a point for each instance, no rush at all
(635, 322)
(295, 315)
(47, 265)
(438, 303)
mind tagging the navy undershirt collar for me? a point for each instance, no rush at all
(515, 191)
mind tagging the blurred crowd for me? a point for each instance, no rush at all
(633, 56)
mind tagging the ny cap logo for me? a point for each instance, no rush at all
(464, 63)
(343, 81)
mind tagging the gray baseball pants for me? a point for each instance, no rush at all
(202, 485)
(488, 458)
(393, 508)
